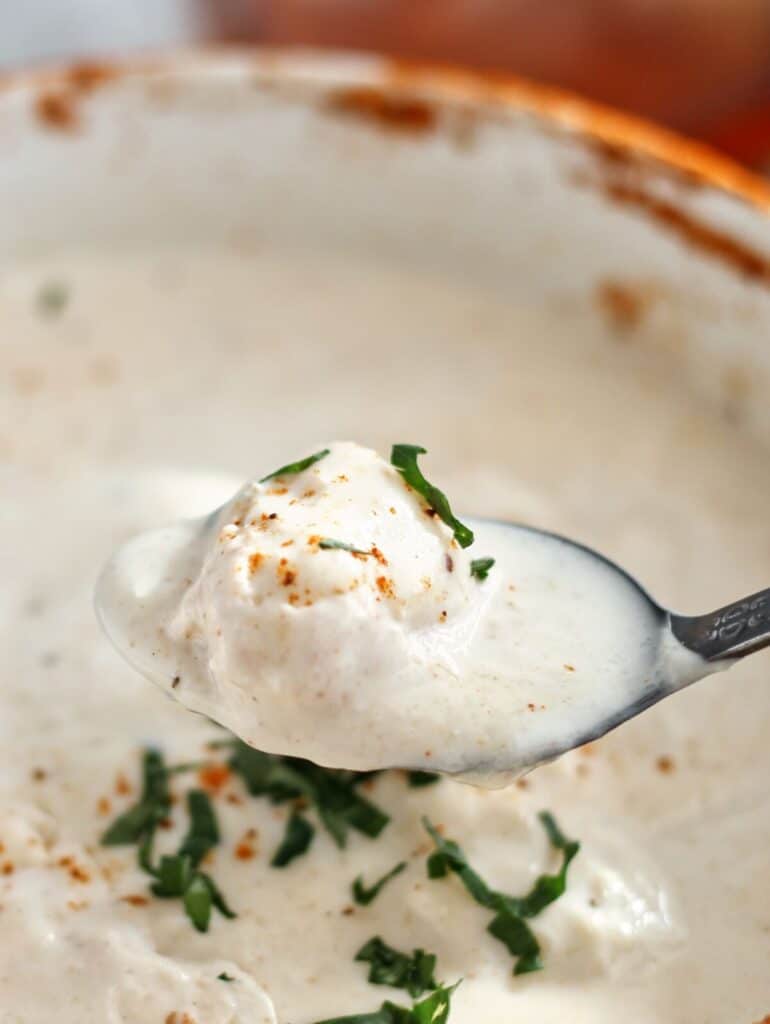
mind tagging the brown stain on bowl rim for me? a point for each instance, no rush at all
(56, 110)
(627, 150)
(617, 136)
(389, 110)
(56, 105)
(699, 235)
(407, 97)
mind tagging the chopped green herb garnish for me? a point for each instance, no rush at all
(331, 792)
(417, 780)
(514, 932)
(509, 924)
(203, 833)
(329, 544)
(296, 839)
(53, 298)
(480, 568)
(434, 1009)
(364, 896)
(175, 876)
(197, 902)
(548, 888)
(387, 966)
(224, 976)
(217, 899)
(296, 467)
(404, 458)
(173, 873)
(140, 821)
(447, 857)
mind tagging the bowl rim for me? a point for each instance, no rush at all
(628, 135)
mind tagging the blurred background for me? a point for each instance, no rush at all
(701, 66)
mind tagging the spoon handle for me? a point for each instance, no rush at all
(731, 632)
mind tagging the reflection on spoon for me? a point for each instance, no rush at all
(338, 611)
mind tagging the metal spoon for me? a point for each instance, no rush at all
(678, 649)
(717, 640)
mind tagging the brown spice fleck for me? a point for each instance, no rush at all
(569, 668)
(665, 764)
(431, 512)
(122, 785)
(287, 544)
(39, 774)
(7, 868)
(244, 850)
(385, 586)
(78, 874)
(288, 578)
(234, 798)
(449, 562)
(348, 911)
(135, 900)
(255, 560)
(624, 304)
(212, 777)
(278, 490)
(175, 682)
(103, 806)
(28, 380)
(375, 551)
(522, 783)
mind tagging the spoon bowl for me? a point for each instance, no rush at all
(564, 646)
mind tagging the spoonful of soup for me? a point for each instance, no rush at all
(336, 609)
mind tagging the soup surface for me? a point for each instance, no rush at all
(139, 387)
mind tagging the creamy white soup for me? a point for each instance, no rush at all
(393, 647)
(138, 388)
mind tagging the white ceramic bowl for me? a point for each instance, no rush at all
(504, 187)
(496, 178)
